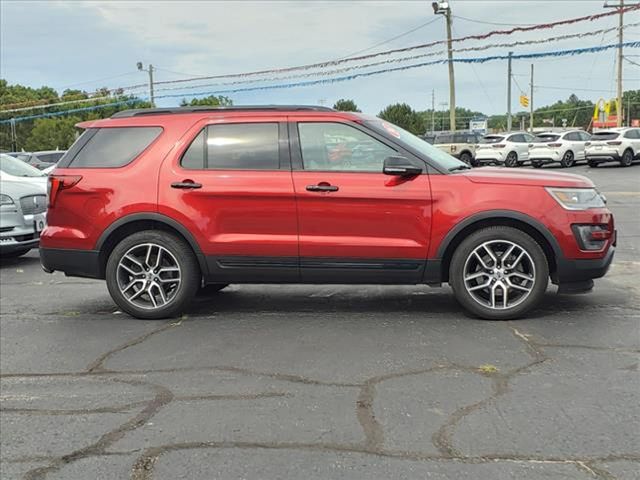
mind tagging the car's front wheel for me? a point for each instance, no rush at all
(499, 273)
(152, 274)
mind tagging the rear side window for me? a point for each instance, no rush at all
(235, 146)
(112, 147)
(444, 139)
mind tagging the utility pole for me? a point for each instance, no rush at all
(531, 103)
(14, 137)
(620, 8)
(509, 93)
(442, 8)
(150, 71)
(433, 110)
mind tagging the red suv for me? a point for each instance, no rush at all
(162, 202)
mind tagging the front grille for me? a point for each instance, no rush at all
(33, 204)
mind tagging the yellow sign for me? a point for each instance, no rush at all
(524, 100)
(603, 106)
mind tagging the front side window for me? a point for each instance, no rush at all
(114, 147)
(327, 146)
(235, 146)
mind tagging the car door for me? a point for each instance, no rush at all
(519, 146)
(633, 136)
(230, 186)
(357, 224)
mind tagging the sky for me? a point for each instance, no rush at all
(91, 44)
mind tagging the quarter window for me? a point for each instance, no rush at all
(235, 146)
(114, 147)
(327, 146)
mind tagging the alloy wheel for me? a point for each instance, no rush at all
(499, 274)
(148, 276)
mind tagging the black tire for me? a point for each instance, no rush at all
(536, 164)
(211, 289)
(567, 159)
(15, 253)
(592, 163)
(466, 158)
(512, 160)
(186, 260)
(510, 234)
(627, 158)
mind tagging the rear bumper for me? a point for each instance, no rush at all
(603, 157)
(74, 263)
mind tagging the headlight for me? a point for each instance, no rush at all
(5, 199)
(577, 198)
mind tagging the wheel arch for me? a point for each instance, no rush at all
(136, 222)
(508, 218)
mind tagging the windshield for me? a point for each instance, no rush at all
(17, 168)
(440, 158)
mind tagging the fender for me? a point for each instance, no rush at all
(156, 217)
(491, 214)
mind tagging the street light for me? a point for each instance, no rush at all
(443, 8)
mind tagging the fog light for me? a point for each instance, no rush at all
(591, 237)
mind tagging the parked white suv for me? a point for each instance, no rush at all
(617, 144)
(509, 149)
(565, 148)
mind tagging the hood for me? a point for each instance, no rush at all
(17, 189)
(513, 176)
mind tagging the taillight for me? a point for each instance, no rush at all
(499, 145)
(617, 142)
(554, 144)
(57, 183)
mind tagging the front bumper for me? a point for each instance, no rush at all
(576, 275)
(18, 232)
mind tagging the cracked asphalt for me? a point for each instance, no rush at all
(324, 382)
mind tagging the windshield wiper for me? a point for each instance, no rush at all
(460, 167)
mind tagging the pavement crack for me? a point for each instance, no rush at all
(163, 397)
(98, 364)
(374, 436)
(80, 411)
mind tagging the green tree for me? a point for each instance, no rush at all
(52, 133)
(631, 104)
(344, 105)
(211, 100)
(404, 116)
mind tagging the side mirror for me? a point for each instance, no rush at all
(400, 167)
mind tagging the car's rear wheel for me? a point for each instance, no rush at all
(567, 159)
(511, 160)
(499, 273)
(152, 274)
(466, 158)
(627, 158)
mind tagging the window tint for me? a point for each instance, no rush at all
(114, 147)
(193, 158)
(585, 136)
(492, 139)
(462, 138)
(243, 146)
(444, 139)
(545, 138)
(50, 157)
(572, 137)
(518, 138)
(632, 134)
(604, 135)
(334, 146)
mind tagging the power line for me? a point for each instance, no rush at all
(391, 39)
(494, 23)
(578, 51)
(67, 112)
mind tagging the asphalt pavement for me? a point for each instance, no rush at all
(324, 382)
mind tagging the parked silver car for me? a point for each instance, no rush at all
(23, 209)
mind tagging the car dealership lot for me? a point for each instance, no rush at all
(324, 381)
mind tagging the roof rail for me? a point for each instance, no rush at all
(240, 108)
